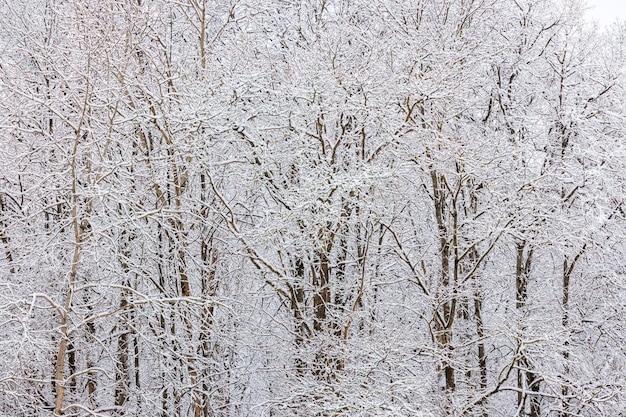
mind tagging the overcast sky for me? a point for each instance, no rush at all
(606, 11)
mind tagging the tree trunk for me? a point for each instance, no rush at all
(526, 378)
(444, 320)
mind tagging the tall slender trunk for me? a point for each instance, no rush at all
(444, 322)
(209, 257)
(471, 211)
(122, 374)
(568, 268)
(297, 301)
(4, 238)
(325, 364)
(482, 355)
(78, 235)
(60, 382)
(122, 368)
(526, 378)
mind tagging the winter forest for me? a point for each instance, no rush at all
(311, 208)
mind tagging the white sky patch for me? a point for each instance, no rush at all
(606, 12)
